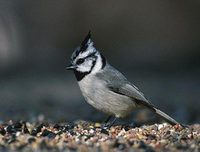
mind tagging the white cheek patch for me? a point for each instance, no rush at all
(98, 65)
(85, 67)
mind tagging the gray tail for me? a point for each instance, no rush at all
(161, 114)
(166, 117)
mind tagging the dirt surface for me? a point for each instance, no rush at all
(86, 136)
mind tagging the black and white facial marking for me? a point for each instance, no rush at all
(86, 59)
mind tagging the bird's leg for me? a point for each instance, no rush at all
(109, 124)
(112, 122)
(107, 119)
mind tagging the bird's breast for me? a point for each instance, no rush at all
(99, 96)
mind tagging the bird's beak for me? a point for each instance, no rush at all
(71, 67)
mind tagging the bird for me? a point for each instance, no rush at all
(104, 87)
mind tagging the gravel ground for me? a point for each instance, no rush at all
(87, 136)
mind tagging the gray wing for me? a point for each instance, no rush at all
(130, 91)
(117, 83)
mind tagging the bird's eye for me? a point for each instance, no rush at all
(80, 61)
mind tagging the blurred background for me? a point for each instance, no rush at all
(156, 44)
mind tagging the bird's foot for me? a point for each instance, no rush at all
(109, 124)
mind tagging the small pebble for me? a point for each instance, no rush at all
(86, 136)
(104, 131)
(2, 131)
(31, 140)
(34, 132)
(47, 133)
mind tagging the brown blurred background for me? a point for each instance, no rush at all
(156, 44)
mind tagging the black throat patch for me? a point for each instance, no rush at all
(80, 75)
(103, 59)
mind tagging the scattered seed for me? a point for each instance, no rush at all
(47, 133)
(85, 136)
(104, 131)
(2, 130)
(31, 140)
(34, 132)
